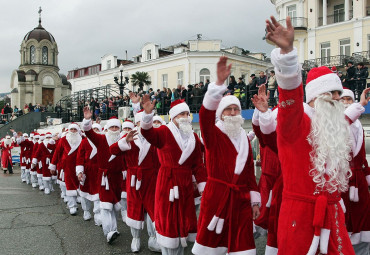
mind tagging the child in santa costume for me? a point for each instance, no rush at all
(110, 172)
(142, 169)
(33, 171)
(313, 154)
(6, 154)
(39, 164)
(68, 148)
(357, 198)
(231, 200)
(179, 154)
(87, 170)
(43, 157)
(25, 144)
(59, 158)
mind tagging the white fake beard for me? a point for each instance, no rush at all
(185, 125)
(8, 141)
(113, 136)
(331, 146)
(73, 138)
(156, 125)
(346, 105)
(232, 125)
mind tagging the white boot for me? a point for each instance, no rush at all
(46, 186)
(73, 211)
(41, 185)
(23, 174)
(135, 244)
(112, 236)
(152, 242)
(96, 210)
(87, 215)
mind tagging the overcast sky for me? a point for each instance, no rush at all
(86, 30)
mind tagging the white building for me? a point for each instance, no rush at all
(186, 63)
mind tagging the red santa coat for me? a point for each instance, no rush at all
(43, 157)
(225, 221)
(87, 163)
(6, 154)
(34, 170)
(69, 155)
(26, 151)
(357, 198)
(110, 171)
(141, 178)
(59, 158)
(304, 213)
(174, 213)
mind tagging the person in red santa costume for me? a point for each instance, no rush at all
(43, 157)
(33, 170)
(142, 169)
(231, 200)
(314, 150)
(179, 152)
(110, 172)
(87, 171)
(68, 148)
(357, 198)
(6, 154)
(127, 126)
(25, 144)
(39, 165)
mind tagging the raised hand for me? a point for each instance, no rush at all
(260, 101)
(364, 98)
(130, 136)
(281, 36)
(87, 113)
(148, 106)
(134, 98)
(223, 71)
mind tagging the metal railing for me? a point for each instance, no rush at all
(335, 18)
(297, 22)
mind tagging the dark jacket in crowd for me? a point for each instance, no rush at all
(253, 89)
(362, 73)
(262, 80)
(351, 72)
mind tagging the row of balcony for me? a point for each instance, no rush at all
(338, 61)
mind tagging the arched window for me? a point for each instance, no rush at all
(44, 55)
(32, 55)
(204, 74)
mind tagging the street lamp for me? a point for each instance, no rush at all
(123, 81)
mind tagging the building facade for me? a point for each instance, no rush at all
(182, 64)
(328, 32)
(37, 80)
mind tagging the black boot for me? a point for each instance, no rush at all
(5, 171)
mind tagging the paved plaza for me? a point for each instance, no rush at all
(34, 223)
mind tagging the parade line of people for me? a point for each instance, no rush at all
(312, 197)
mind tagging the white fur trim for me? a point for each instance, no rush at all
(106, 205)
(368, 179)
(348, 93)
(220, 225)
(341, 202)
(123, 145)
(168, 242)
(354, 111)
(46, 178)
(134, 223)
(75, 126)
(324, 240)
(314, 245)
(113, 123)
(213, 96)
(128, 124)
(39, 175)
(111, 158)
(271, 250)
(225, 102)
(267, 122)
(323, 84)
(23, 167)
(352, 193)
(255, 197)
(79, 169)
(177, 109)
(201, 186)
(138, 117)
(86, 124)
(98, 126)
(123, 194)
(268, 204)
(212, 225)
(71, 193)
(147, 121)
(52, 167)
(357, 199)
(34, 161)
(255, 117)
(363, 236)
(188, 150)
(247, 252)
(287, 69)
(251, 135)
(199, 249)
(90, 197)
(172, 196)
(191, 237)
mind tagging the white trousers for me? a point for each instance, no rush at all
(178, 251)
(109, 221)
(23, 174)
(34, 179)
(71, 201)
(28, 176)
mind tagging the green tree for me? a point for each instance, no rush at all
(140, 79)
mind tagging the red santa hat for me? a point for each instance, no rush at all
(113, 122)
(32, 134)
(75, 126)
(25, 135)
(42, 137)
(348, 93)
(225, 102)
(334, 69)
(178, 106)
(159, 118)
(48, 135)
(321, 80)
(36, 135)
(139, 116)
(7, 137)
(98, 126)
(128, 124)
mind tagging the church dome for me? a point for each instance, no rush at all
(39, 33)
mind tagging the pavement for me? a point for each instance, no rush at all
(34, 223)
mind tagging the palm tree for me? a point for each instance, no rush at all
(140, 79)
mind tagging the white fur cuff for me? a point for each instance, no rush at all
(255, 117)
(354, 111)
(147, 121)
(123, 145)
(34, 161)
(267, 122)
(79, 169)
(368, 179)
(213, 96)
(86, 124)
(201, 186)
(255, 197)
(52, 167)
